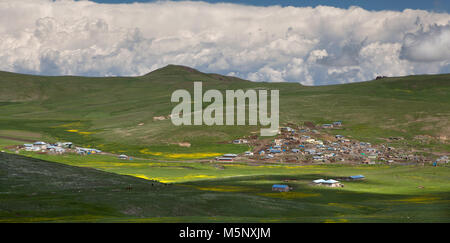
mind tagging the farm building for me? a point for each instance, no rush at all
(337, 123)
(281, 188)
(352, 178)
(84, 151)
(442, 159)
(248, 153)
(229, 159)
(28, 147)
(327, 126)
(229, 155)
(357, 177)
(39, 145)
(67, 144)
(329, 183)
(240, 141)
(310, 151)
(287, 129)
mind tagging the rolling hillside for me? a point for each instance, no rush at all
(116, 114)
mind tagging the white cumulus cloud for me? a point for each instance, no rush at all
(312, 46)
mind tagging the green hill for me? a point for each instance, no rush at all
(116, 113)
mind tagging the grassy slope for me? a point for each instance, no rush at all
(34, 190)
(111, 109)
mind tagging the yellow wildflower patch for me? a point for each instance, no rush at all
(225, 188)
(180, 155)
(349, 206)
(424, 199)
(85, 133)
(72, 124)
(160, 179)
(146, 151)
(76, 131)
(141, 176)
(191, 155)
(335, 221)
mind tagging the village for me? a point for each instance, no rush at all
(313, 144)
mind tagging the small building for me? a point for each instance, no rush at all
(67, 145)
(295, 150)
(39, 146)
(229, 155)
(356, 177)
(240, 141)
(442, 159)
(310, 151)
(327, 126)
(281, 188)
(84, 151)
(329, 183)
(248, 153)
(228, 159)
(337, 123)
(352, 178)
(368, 161)
(287, 129)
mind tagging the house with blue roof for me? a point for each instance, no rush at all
(357, 177)
(281, 188)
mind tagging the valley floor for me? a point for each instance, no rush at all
(98, 189)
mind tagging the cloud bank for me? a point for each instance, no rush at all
(312, 46)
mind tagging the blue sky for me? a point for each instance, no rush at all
(431, 5)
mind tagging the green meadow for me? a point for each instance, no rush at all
(35, 190)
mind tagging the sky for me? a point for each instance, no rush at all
(337, 42)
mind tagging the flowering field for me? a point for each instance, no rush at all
(131, 191)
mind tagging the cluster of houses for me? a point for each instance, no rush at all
(58, 148)
(442, 159)
(305, 144)
(39, 146)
